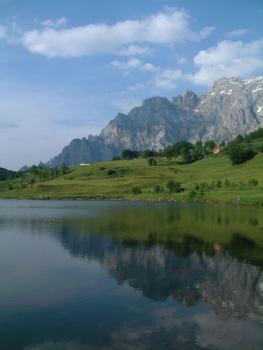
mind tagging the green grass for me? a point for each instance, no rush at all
(93, 182)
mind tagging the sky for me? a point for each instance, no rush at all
(68, 67)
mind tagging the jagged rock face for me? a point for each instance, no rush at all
(155, 124)
(83, 150)
(231, 107)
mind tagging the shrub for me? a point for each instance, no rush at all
(197, 187)
(136, 190)
(10, 187)
(253, 182)
(152, 161)
(173, 187)
(192, 194)
(111, 172)
(158, 188)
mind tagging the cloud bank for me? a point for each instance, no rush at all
(226, 59)
(168, 27)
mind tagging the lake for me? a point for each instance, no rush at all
(127, 275)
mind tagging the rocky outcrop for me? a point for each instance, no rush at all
(233, 106)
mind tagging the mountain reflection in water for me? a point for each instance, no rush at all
(186, 277)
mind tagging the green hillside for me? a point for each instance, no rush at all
(212, 179)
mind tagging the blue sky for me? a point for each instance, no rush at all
(67, 67)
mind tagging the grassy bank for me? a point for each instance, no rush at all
(212, 179)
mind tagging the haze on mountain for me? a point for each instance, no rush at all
(231, 107)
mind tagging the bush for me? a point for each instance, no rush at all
(253, 182)
(173, 187)
(158, 188)
(111, 172)
(197, 187)
(136, 190)
(152, 161)
(192, 194)
(219, 183)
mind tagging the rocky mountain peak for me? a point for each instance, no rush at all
(188, 100)
(227, 82)
(156, 101)
(231, 107)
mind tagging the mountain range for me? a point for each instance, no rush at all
(231, 107)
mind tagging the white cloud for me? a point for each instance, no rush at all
(237, 33)
(134, 63)
(166, 27)
(130, 64)
(166, 79)
(2, 32)
(134, 50)
(54, 23)
(228, 58)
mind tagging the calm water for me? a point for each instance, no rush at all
(114, 275)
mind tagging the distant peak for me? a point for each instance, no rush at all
(189, 99)
(156, 100)
(189, 93)
(226, 80)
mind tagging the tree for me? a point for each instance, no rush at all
(239, 154)
(129, 154)
(180, 148)
(198, 150)
(65, 169)
(148, 153)
(209, 146)
(187, 156)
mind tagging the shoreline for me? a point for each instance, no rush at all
(135, 199)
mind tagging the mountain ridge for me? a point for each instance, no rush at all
(231, 107)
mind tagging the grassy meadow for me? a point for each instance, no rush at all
(212, 179)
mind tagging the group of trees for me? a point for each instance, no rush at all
(187, 152)
(35, 174)
(239, 150)
(242, 149)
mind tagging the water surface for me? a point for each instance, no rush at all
(117, 275)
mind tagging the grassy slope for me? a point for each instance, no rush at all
(92, 182)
